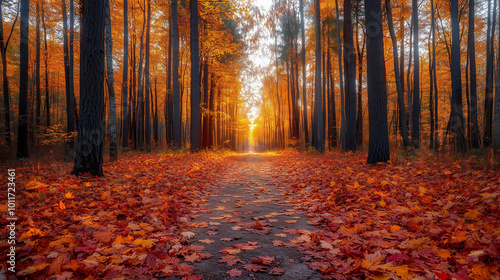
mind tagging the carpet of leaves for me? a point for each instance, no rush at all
(421, 219)
(129, 224)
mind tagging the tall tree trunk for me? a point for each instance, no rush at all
(496, 116)
(147, 86)
(37, 69)
(415, 135)
(70, 102)
(90, 148)
(195, 78)
(176, 99)
(125, 112)
(378, 147)
(399, 86)
(304, 66)
(350, 79)
(488, 96)
(474, 127)
(360, 51)
(113, 144)
(22, 136)
(319, 133)
(168, 95)
(434, 78)
(457, 115)
(71, 60)
(140, 91)
(341, 76)
(46, 62)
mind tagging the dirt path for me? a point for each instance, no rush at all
(250, 227)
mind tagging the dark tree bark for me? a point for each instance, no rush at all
(415, 135)
(399, 86)
(70, 102)
(319, 133)
(168, 96)
(341, 76)
(474, 126)
(195, 79)
(147, 110)
(434, 78)
(90, 147)
(176, 99)
(378, 147)
(496, 113)
(46, 63)
(304, 80)
(457, 115)
(71, 61)
(125, 112)
(22, 131)
(140, 91)
(113, 142)
(37, 70)
(488, 96)
(350, 79)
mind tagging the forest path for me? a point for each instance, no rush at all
(253, 225)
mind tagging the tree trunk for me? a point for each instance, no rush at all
(319, 133)
(399, 86)
(195, 78)
(140, 91)
(304, 66)
(434, 78)
(125, 112)
(147, 110)
(176, 99)
(415, 135)
(457, 115)
(113, 145)
(46, 62)
(69, 97)
(360, 51)
(474, 126)
(378, 147)
(350, 79)
(22, 136)
(496, 116)
(341, 82)
(90, 148)
(37, 70)
(488, 96)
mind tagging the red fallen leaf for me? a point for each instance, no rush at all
(258, 226)
(212, 232)
(266, 259)
(184, 269)
(150, 259)
(258, 261)
(442, 276)
(234, 272)
(277, 271)
(230, 260)
(254, 267)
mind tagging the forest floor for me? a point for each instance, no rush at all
(284, 215)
